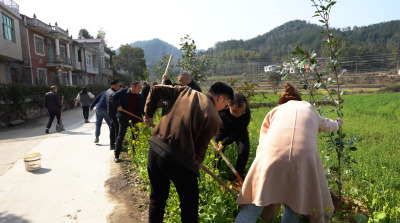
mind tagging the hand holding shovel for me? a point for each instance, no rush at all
(217, 179)
(140, 119)
(219, 150)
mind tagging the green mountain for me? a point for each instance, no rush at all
(154, 49)
(277, 44)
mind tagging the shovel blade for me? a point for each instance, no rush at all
(59, 127)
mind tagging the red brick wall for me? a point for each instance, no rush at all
(39, 61)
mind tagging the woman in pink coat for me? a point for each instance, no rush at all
(288, 168)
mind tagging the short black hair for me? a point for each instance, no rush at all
(134, 83)
(115, 81)
(239, 99)
(220, 88)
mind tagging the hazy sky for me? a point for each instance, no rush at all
(206, 21)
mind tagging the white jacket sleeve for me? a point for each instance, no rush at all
(78, 98)
(327, 125)
(91, 95)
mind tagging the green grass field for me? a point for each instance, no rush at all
(375, 182)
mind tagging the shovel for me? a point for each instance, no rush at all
(222, 183)
(140, 119)
(60, 127)
(229, 164)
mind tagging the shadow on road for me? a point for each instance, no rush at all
(98, 144)
(41, 171)
(75, 133)
(34, 128)
(6, 218)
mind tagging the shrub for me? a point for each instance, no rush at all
(14, 97)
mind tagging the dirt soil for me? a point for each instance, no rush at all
(349, 206)
(125, 190)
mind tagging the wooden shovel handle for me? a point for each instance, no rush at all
(169, 63)
(222, 183)
(62, 104)
(140, 119)
(229, 164)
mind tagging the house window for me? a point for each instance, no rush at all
(102, 62)
(39, 45)
(89, 58)
(79, 56)
(8, 28)
(62, 51)
(42, 76)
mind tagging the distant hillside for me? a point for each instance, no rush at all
(154, 49)
(275, 45)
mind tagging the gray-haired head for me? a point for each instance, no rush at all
(184, 78)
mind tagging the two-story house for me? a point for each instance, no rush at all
(11, 66)
(91, 53)
(48, 52)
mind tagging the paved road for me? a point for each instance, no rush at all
(72, 177)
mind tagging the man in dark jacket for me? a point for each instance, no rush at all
(185, 79)
(53, 105)
(166, 80)
(179, 144)
(145, 90)
(101, 113)
(131, 101)
(112, 112)
(235, 120)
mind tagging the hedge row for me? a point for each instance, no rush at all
(14, 97)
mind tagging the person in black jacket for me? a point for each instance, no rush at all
(235, 120)
(53, 105)
(166, 80)
(185, 79)
(133, 102)
(112, 112)
(145, 90)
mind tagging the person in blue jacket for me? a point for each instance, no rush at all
(101, 113)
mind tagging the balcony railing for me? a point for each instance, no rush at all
(58, 59)
(11, 5)
(106, 71)
(51, 29)
(94, 50)
(92, 70)
(59, 30)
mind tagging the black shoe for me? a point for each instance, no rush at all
(117, 160)
(87, 121)
(112, 147)
(47, 131)
(96, 140)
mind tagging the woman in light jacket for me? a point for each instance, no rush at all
(288, 168)
(84, 97)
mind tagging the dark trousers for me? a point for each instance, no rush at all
(161, 173)
(243, 155)
(85, 110)
(114, 129)
(123, 125)
(51, 118)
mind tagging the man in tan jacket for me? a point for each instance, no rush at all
(179, 143)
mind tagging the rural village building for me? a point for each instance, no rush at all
(34, 52)
(10, 42)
